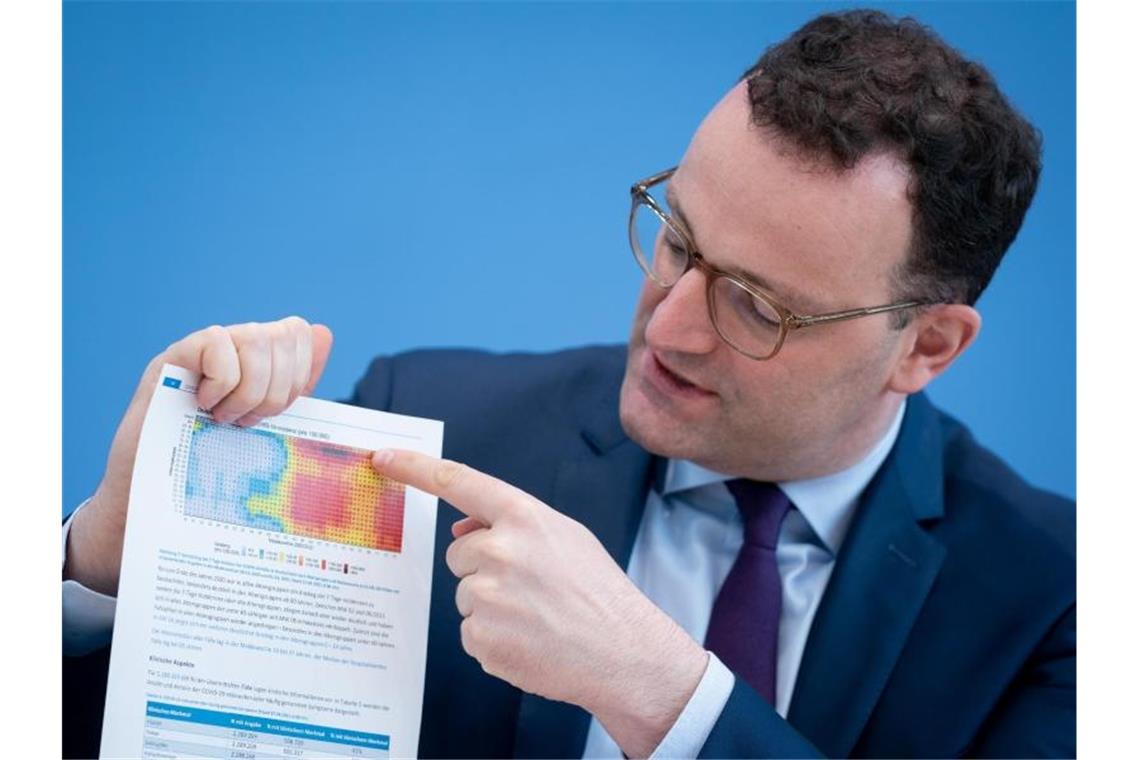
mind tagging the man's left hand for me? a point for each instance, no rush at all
(546, 609)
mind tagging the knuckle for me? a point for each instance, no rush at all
(230, 379)
(271, 407)
(481, 590)
(460, 596)
(285, 330)
(254, 358)
(273, 331)
(466, 635)
(293, 322)
(216, 333)
(277, 398)
(477, 634)
(520, 512)
(447, 474)
(496, 552)
(450, 558)
(246, 395)
(242, 330)
(254, 334)
(471, 595)
(515, 511)
(252, 350)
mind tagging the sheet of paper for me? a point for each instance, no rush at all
(274, 593)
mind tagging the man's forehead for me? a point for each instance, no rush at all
(745, 187)
(729, 138)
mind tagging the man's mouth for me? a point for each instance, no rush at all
(662, 376)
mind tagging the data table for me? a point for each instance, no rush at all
(187, 732)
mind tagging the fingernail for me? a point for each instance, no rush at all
(383, 458)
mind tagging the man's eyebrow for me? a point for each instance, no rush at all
(783, 292)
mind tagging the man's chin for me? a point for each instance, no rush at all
(650, 427)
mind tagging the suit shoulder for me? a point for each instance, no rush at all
(976, 478)
(464, 374)
(455, 383)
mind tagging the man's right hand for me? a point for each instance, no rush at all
(249, 372)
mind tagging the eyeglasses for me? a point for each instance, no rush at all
(747, 317)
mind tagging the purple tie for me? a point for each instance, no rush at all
(745, 621)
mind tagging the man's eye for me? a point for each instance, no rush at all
(675, 247)
(754, 310)
(763, 314)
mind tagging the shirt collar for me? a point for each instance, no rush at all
(827, 503)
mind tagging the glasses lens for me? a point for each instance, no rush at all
(747, 321)
(658, 246)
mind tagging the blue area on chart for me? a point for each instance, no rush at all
(228, 466)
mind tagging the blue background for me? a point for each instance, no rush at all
(457, 175)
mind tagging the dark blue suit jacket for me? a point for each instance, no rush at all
(948, 626)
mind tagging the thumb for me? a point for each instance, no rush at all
(465, 525)
(322, 346)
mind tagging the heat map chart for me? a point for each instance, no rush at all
(278, 482)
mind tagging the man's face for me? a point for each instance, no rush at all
(819, 241)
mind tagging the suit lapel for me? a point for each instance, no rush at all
(882, 576)
(604, 488)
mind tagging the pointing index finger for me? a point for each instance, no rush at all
(474, 493)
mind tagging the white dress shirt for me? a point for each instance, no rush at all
(689, 537)
(687, 543)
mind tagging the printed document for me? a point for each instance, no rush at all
(274, 592)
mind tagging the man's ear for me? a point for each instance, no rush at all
(938, 335)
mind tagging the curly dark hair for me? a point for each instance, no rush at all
(850, 84)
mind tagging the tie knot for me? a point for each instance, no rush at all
(762, 506)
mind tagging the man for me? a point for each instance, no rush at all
(749, 533)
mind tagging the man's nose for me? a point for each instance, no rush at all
(680, 321)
